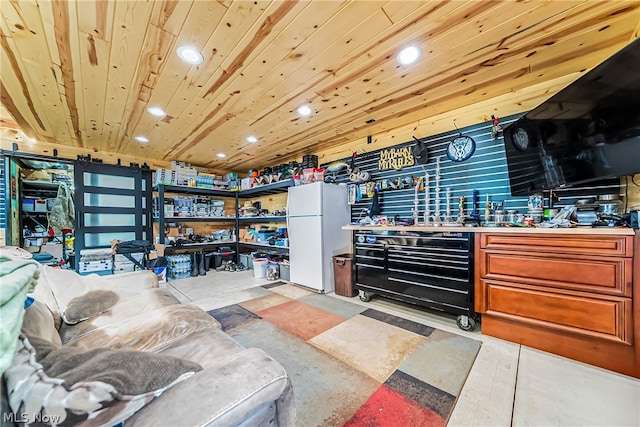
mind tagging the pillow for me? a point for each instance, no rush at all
(39, 327)
(96, 387)
(89, 305)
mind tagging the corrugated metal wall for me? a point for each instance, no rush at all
(486, 171)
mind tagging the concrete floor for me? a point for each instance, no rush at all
(508, 384)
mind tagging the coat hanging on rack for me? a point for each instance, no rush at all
(63, 210)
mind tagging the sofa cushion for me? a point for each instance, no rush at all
(146, 300)
(148, 330)
(97, 387)
(235, 389)
(60, 287)
(39, 327)
(89, 305)
(206, 347)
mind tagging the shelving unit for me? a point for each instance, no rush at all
(268, 189)
(252, 219)
(33, 219)
(162, 220)
(264, 246)
(264, 190)
(197, 219)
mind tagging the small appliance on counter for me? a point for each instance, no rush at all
(586, 213)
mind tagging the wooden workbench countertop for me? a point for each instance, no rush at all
(525, 230)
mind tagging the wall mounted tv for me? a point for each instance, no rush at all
(589, 131)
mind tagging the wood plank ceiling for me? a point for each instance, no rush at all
(83, 73)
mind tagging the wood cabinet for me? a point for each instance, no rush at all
(577, 296)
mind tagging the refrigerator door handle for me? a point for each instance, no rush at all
(287, 212)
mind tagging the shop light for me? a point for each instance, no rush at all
(305, 110)
(141, 138)
(409, 55)
(221, 155)
(190, 55)
(252, 139)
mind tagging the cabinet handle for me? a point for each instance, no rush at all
(369, 266)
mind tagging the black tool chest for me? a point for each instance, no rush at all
(432, 269)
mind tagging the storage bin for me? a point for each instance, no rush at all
(343, 275)
(285, 271)
(95, 266)
(40, 205)
(28, 205)
(260, 268)
(273, 270)
(247, 260)
(264, 237)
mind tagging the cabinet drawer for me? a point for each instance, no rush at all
(611, 276)
(608, 317)
(601, 245)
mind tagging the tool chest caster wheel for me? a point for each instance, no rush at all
(365, 296)
(465, 323)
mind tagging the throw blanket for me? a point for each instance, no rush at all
(18, 277)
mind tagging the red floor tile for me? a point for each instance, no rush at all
(386, 407)
(300, 319)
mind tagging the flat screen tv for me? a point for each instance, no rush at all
(589, 131)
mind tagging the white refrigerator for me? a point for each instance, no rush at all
(315, 216)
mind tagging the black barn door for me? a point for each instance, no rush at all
(112, 202)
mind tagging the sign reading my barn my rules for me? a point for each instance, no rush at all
(395, 158)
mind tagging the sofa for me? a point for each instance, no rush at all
(129, 350)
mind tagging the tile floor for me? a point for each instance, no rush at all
(508, 384)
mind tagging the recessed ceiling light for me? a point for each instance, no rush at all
(409, 55)
(252, 138)
(305, 110)
(221, 155)
(190, 55)
(141, 138)
(156, 111)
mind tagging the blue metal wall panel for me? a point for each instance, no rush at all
(4, 209)
(486, 171)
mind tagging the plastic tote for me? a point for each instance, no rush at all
(343, 275)
(260, 268)
(247, 260)
(284, 271)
